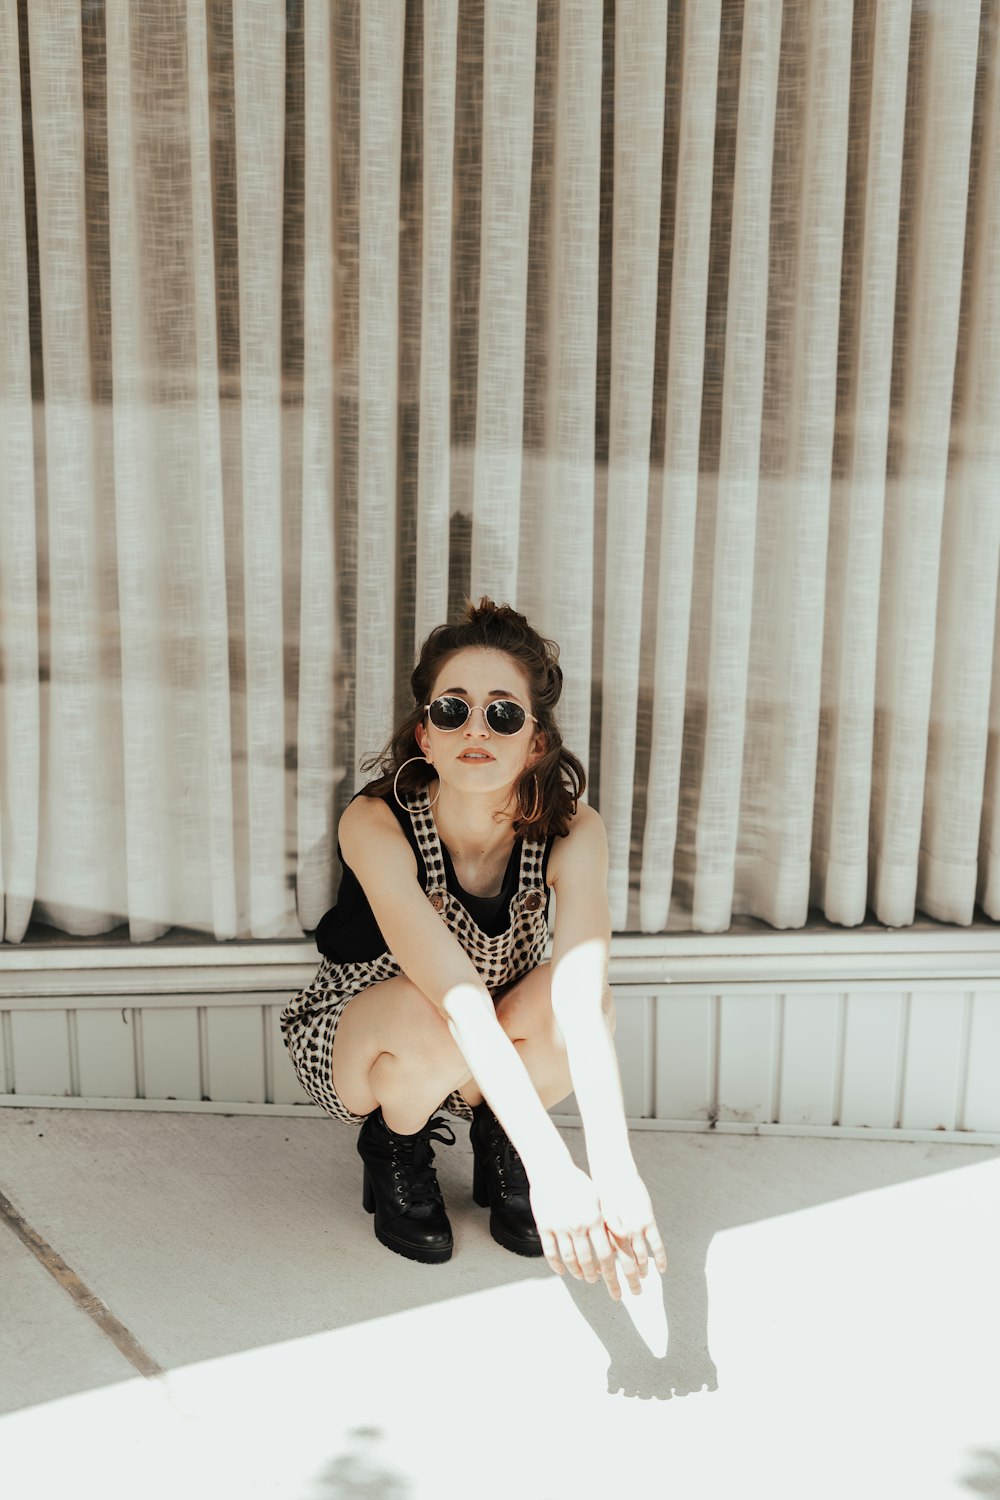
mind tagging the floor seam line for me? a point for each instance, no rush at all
(87, 1301)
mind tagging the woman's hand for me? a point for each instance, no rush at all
(631, 1225)
(570, 1221)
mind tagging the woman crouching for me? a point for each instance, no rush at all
(433, 994)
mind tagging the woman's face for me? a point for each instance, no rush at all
(475, 758)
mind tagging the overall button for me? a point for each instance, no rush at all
(436, 898)
(533, 901)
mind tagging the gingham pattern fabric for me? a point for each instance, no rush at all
(309, 1020)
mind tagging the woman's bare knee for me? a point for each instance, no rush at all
(526, 1007)
(393, 1048)
(525, 1014)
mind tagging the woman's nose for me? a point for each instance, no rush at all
(471, 725)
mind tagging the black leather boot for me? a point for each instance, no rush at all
(500, 1183)
(401, 1188)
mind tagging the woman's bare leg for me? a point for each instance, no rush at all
(525, 1013)
(393, 1048)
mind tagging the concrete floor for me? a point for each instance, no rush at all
(833, 1312)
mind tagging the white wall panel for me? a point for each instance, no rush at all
(283, 1086)
(810, 1058)
(106, 1051)
(634, 1044)
(235, 1061)
(733, 1032)
(6, 1067)
(872, 1060)
(982, 1097)
(40, 1044)
(746, 1057)
(685, 1056)
(171, 1053)
(933, 1059)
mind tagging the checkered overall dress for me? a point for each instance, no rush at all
(309, 1020)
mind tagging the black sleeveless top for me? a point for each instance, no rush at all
(349, 933)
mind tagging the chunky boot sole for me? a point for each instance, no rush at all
(510, 1242)
(401, 1247)
(481, 1196)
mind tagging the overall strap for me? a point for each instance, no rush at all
(531, 893)
(425, 831)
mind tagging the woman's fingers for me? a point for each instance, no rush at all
(656, 1247)
(568, 1255)
(627, 1263)
(637, 1249)
(606, 1261)
(593, 1236)
(551, 1251)
(586, 1254)
(596, 1254)
(595, 1258)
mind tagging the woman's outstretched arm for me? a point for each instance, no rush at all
(581, 1005)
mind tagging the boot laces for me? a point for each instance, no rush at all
(413, 1161)
(510, 1167)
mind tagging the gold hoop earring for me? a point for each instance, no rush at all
(397, 775)
(536, 803)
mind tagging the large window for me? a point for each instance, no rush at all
(676, 325)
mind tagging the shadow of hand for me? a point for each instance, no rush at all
(640, 1374)
(637, 1367)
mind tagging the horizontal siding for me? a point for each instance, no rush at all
(40, 1052)
(6, 1065)
(685, 1067)
(931, 1072)
(747, 1059)
(106, 1052)
(873, 1060)
(172, 1054)
(634, 1044)
(810, 1059)
(914, 1062)
(982, 1097)
(233, 1050)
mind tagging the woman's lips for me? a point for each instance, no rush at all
(475, 757)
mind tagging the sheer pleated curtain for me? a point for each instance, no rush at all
(675, 325)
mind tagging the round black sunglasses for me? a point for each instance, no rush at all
(503, 715)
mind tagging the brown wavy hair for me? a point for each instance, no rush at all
(545, 794)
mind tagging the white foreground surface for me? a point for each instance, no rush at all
(847, 1292)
